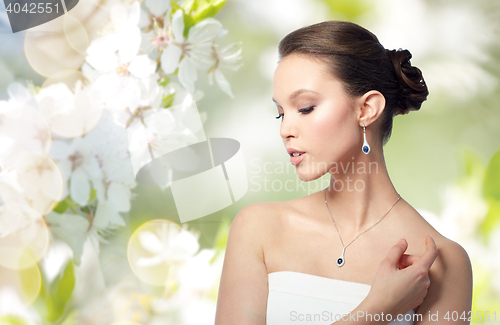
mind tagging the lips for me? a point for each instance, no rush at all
(291, 151)
(296, 155)
(297, 159)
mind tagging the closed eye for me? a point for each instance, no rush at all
(306, 110)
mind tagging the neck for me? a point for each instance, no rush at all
(360, 193)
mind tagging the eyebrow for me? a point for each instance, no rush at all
(296, 93)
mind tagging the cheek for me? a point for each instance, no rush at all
(336, 130)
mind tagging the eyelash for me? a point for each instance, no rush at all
(306, 110)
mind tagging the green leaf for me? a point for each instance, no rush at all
(164, 81)
(491, 185)
(207, 9)
(492, 218)
(86, 209)
(12, 320)
(175, 7)
(61, 207)
(45, 304)
(59, 293)
(188, 23)
(167, 101)
(348, 9)
(92, 194)
(187, 6)
(63, 285)
(196, 11)
(474, 166)
(51, 303)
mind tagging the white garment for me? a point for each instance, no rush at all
(300, 298)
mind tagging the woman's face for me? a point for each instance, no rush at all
(319, 117)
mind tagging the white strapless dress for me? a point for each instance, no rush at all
(300, 298)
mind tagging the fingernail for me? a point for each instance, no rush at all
(401, 241)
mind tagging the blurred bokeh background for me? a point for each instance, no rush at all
(443, 159)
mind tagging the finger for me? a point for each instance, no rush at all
(396, 251)
(407, 260)
(430, 253)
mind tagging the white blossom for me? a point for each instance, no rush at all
(157, 7)
(120, 42)
(168, 244)
(229, 58)
(68, 114)
(71, 145)
(99, 159)
(191, 53)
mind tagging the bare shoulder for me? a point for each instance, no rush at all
(256, 222)
(243, 285)
(451, 285)
(263, 213)
(451, 254)
(452, 264)
(450, 274)
(257, 216)
(453, 257)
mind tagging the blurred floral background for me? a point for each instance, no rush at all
(81, 242)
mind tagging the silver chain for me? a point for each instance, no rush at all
(363, 231)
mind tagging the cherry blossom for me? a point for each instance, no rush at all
(191, 53)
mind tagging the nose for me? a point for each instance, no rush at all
(288, 127)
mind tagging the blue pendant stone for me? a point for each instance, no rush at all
(365, 149)
(339, 261)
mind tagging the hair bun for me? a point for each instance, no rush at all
(414, 90)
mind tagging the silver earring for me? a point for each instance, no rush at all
(366, 146)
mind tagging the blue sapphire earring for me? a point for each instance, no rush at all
(366, 146)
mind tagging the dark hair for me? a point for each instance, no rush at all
(357, 58)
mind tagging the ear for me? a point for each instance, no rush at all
(370, 107)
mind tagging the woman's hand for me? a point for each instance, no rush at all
(402, 280)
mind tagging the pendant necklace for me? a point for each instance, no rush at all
(341, 259)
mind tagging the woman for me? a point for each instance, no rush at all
(314, 259)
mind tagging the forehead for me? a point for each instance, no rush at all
(298, 63)
(301, 71)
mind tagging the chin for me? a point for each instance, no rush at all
(308, 177)
(310, 172)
